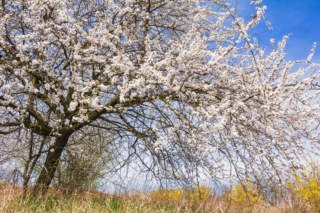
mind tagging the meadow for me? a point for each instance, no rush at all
(201, 199)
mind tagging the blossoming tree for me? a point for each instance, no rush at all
(181, 83)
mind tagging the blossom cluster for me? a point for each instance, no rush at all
(183, 77)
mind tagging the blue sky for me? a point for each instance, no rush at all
(301, 18)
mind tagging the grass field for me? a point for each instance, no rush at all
(12, 200)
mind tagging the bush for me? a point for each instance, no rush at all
(244, 193)
(198, 193)
(306, 186)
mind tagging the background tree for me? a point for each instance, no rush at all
(179, 84)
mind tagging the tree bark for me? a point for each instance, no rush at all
(50, 165)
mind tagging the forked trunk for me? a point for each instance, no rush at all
(50, 165)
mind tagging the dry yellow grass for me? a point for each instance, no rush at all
(11, 200)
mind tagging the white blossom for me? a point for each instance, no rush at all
(73, 105)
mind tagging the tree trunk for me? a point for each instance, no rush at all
(50, 165)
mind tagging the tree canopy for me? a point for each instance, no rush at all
(181, 85)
